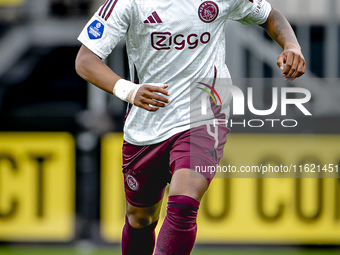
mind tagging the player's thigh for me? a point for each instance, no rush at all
(200, 146)
(140, 217)
(188, 183)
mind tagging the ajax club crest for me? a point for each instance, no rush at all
(208, 11)
(132, 182)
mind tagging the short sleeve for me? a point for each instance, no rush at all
(107, 27)
(250, 12)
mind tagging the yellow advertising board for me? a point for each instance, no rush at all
(11, 2)
(298, 210)
(37, 190)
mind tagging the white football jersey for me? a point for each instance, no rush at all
(174, 42)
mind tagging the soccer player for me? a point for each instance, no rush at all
(170, 45)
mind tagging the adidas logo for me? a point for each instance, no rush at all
(153, 18)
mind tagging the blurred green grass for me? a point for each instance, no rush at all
(7, 250)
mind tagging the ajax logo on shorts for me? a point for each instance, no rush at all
(132, 182)
(95, 30)
(208, 11)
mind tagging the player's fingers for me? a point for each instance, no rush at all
(159, 98)
(146, 106)
(294, 66)
(144, 93)
(160, 89)
(300, 70)
(151, 89)
(304, 67)
(157, 87)
(153, 102)
(281, 61)
(289, 63)
(149, 108)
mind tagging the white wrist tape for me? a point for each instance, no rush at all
(126, 90)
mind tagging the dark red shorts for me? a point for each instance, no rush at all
(148, 169)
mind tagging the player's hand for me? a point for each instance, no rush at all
(292, 63)
(146, 97)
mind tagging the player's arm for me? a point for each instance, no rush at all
(291, 60)
(91, 68)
